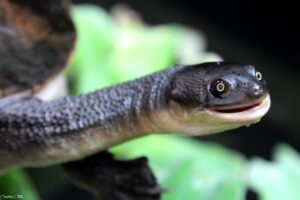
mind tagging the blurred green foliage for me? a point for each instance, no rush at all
(278, 180)
(190, 169)
(111, 50)
(17, 185)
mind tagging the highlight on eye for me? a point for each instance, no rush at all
(258, 76)
(219, 88)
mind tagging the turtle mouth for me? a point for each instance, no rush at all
(239, 109)
(247, 113)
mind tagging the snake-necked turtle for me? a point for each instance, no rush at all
(36, 40)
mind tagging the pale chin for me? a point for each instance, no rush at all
(246, 117)
(211, 122)
(196, 123)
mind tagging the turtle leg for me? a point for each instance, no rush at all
(112, 179)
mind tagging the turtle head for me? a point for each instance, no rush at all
(214, 97)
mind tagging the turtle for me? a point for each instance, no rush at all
(36, 43)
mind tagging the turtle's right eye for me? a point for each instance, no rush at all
(219, 88)
(258, 76)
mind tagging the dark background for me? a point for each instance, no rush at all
(263, 34)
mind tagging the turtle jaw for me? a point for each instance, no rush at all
(239, 109)
(245, 115)
(197, 122)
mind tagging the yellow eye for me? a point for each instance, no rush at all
(258, 76)
(220, 87)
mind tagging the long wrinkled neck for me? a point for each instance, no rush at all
(73, 127)
(122, 108)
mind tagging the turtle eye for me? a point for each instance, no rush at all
(258, 76)
(219, 88)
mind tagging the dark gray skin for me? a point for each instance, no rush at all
(194, 85)
(37, 133)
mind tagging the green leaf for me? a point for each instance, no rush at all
(95, 37)
(110, 51)
(277, 180)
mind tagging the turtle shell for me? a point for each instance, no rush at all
(36, 41)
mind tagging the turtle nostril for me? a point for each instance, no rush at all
(256, 94)
(257, 91)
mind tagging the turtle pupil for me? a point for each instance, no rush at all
(220, 87)
(258, 76)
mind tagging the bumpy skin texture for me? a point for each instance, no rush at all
(34, 133)
(36, 39)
